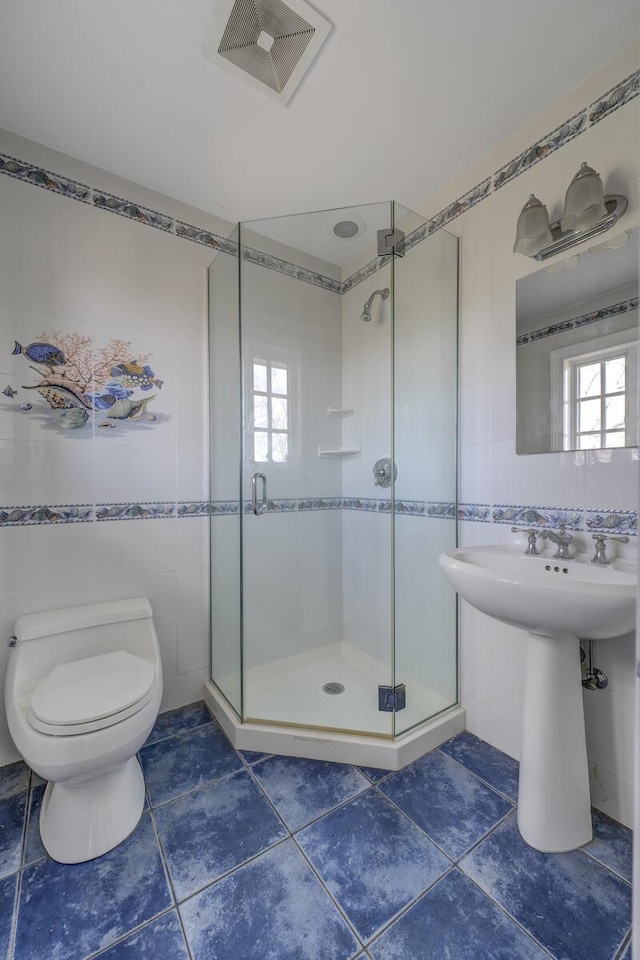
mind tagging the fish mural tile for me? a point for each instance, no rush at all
(623, 522)
(539, 516)
(44, 178)
(83, 383)
(135, 511)
(542, 148)
(615, 98)
(126, 208)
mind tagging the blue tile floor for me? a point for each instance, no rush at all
(244, 856)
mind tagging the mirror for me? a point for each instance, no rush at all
(577, 351)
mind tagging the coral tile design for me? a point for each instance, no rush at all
(68, 913)
(542, 148)
(82, 383)
(273, 906)
(614, 310)
(615, 98)
(569, 903)
(455, 919)
(446, 801)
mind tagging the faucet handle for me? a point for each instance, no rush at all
(532, 534)
(601, 557)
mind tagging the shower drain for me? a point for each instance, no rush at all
(333, 688)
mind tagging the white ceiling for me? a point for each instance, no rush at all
(404, 96)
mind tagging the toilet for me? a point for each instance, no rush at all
(82, 693)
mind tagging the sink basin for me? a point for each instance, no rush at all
(545, 596)
(558, 603)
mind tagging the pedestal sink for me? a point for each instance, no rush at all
(558, 602)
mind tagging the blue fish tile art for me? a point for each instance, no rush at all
(82, 383)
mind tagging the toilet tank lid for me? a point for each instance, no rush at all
(34, 625)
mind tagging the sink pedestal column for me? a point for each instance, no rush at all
(554, 806)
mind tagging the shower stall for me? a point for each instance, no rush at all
(333, 361)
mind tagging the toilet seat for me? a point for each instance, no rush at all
(90, 694)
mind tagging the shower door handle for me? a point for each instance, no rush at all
(258, 508)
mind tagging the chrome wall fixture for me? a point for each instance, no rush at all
(587, 213)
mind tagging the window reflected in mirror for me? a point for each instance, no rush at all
(577, 351)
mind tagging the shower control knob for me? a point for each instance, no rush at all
(384, 471)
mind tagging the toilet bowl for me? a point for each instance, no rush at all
(82, 693)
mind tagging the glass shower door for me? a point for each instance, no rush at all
(316, 397)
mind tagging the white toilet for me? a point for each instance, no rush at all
(82, 693)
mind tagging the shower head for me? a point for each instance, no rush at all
(366, 314)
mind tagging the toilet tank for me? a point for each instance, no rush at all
(46, 639)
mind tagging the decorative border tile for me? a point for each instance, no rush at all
(29, 516)
(618, 96)
(613, 521)
(571, 517)
(364, 272)
(223, 508)
(44, 178)
(476, 512)
(194, 508)
(441, 510)
(615, 98)
(135, 511)
(541, 149)
(125, 208)
(356, 503)
(624, 306)
(320, 503)
(461, 205)
(411, 508)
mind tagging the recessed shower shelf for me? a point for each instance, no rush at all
(339, 453)
(339, 411)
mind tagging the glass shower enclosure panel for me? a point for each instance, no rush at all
(425, 403)
(317, 413)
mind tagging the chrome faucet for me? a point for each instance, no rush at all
(532, 536)
(601, 548)
(562, 539)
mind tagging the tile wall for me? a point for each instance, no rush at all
(93, 278)
(597, 488)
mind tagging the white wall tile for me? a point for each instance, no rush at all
(194, 645)
(190, 686)
(168, 643)
(507, 682)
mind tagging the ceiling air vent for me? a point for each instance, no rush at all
(268, 43)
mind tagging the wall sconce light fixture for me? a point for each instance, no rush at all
(587, 213)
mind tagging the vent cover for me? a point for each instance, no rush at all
(267, 42)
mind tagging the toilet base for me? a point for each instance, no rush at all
(81, 819)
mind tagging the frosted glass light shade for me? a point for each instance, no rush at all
(533, 232)
(584, 203)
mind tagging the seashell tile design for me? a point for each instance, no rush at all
(615, 98)
(614, 310)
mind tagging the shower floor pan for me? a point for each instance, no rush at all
(279, 694)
